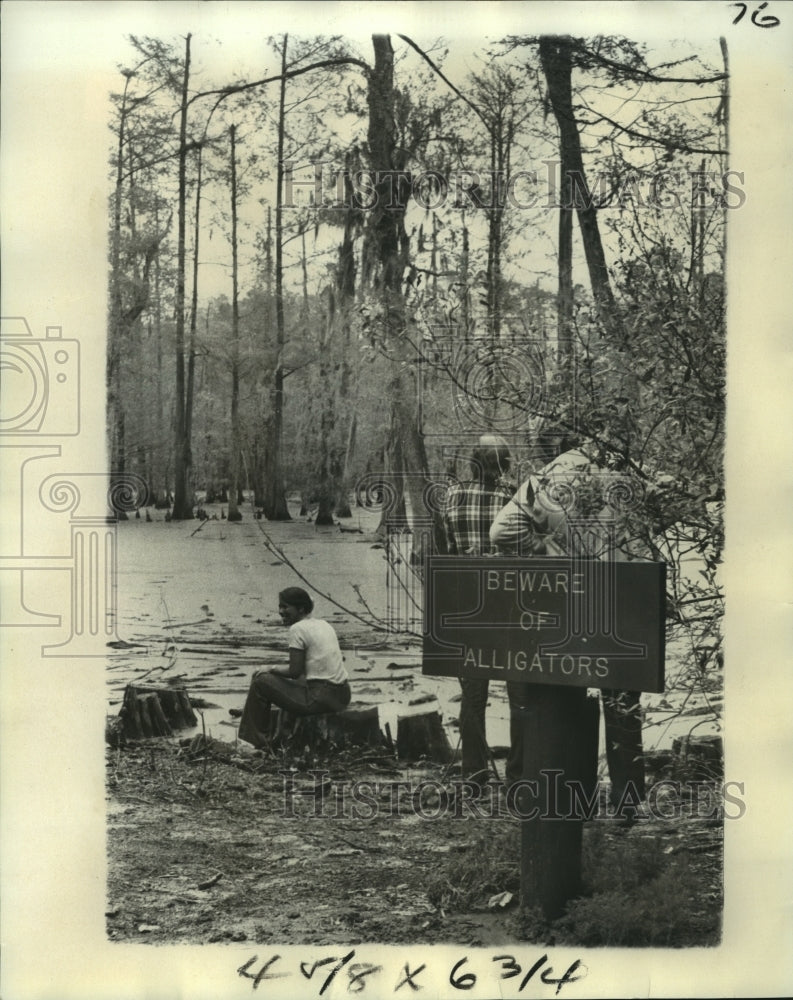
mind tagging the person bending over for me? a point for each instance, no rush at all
(536, 522)
(314, 683)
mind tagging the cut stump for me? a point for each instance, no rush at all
(698, 757)
(155, 710)
(356, 725)
(421, 734)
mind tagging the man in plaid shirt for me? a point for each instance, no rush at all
(470, 509)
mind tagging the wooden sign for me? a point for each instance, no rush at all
(548, 620)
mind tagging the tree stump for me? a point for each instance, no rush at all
(155, 710)
(421, 734)
(698, 758)
(143, 716)
(356, 725)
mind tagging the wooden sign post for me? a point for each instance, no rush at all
(559, 626)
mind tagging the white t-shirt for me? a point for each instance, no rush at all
(323, 655)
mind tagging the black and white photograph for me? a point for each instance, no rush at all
(395, 499)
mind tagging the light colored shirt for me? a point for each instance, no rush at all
(324, 661)
(562, 509)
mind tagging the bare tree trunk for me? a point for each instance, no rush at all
(557, 64)
(725, 117)
(128, 300)
(394, 513)
(114, 406)
(260, 445)
(464, 277)
(324, 392)
(182, 508)
(343, 502)
(434, 255)
(234, 486)
(564, 295)
(304, 303)
(191, 350)
(127, 320)
(275, 507)
(390, 243)
(345, 285)
(164, 441)
(495, 217)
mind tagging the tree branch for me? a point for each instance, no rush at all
(225, 92)
(447, 81)
(654, 140)
(630, 72)
(646, 75)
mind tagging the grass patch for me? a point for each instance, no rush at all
(636, 892)
(491, 864)
(640, 896)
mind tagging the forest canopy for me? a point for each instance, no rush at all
(327, 280)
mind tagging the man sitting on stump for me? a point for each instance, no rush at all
(314, 682)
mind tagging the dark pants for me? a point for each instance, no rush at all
(294, 694)
(623, 728)
(624, 751)
(473, 705)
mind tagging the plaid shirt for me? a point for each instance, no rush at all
(469, 511)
